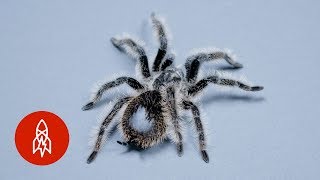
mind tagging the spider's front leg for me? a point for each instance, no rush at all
(133, 49)
(199, 127)
(193, 62)
(172, 107)
(106, 122)
(106, 86)
(160, 32)
(199, 86)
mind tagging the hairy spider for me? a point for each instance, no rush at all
(166, 91)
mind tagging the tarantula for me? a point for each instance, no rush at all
(164, 93)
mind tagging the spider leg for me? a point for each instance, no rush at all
(151, 101)
(200, 85)
(106, 122)
(160, 32)
(177, 136)
(133, 49)
(199, 127)
(106, 86)
(193, 62)
(168, 62)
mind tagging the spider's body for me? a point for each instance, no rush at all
(166, 91)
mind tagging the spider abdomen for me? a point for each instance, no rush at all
(151, 101)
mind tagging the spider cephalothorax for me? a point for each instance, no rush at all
(164, 93)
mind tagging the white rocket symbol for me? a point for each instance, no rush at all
(42, 141)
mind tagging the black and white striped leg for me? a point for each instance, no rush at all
(160, 32)
(193, 62)
(200, 85)
(199, 127)
(177, 136)
(168, 62)
(133, 49)
(97, 96)
(106, 122)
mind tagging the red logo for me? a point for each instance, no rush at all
(42, 138)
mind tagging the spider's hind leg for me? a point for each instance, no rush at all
(176, 135)
(199, 127)
(104, 125)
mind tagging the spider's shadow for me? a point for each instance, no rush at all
(226, 68)
(232, 98)
(143, 153)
